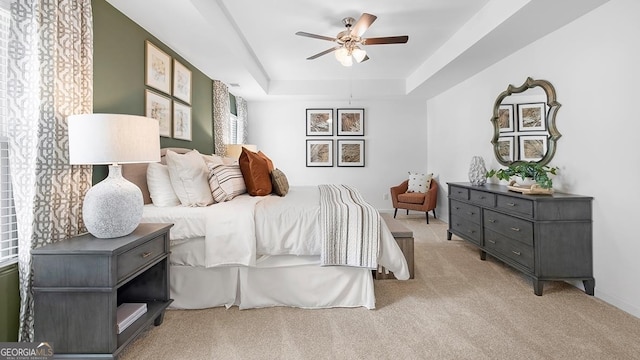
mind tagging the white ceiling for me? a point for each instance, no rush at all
(252, 43)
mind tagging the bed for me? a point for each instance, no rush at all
(264, 251)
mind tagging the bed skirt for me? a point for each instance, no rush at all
(275, 281)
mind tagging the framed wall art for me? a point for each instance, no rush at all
(181, 121)
(319, 153)
(157, 68)
(506, 148)
(532, 147)
(181, 82)
(350, 122)
(505, 118)
(532, 117)
(351, 153)
(159, 107)
(319, 122)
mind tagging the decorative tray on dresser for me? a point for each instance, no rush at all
(547, 237)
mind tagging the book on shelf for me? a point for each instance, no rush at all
(128, 313)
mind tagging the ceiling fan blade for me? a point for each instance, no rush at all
(324, 53)
(302, 33)
(363, 24)
(386, 40)
(366, 57)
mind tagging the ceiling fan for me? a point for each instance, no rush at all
(350, 40)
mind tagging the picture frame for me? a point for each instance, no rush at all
(532, 147)
(181, 82)
(181, 121)
(505, 118)
(319, 122)
(351, 153)
(159, 107)
(157, 68)
(532, 117)
(319, 153)
(350, 122)
(507, 148)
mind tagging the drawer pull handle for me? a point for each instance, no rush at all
(470, 231)
(516, 252)
(491, 241)
(457, 208)
(482, 198)
(515, 229)
(491, 220)
(469, 213)
(146, 255)
(511, 204)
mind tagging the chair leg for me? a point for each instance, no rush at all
(434, 213)
(427, 214)
(407, 211)
(394, 213)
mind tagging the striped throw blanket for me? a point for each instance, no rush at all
(350, 228)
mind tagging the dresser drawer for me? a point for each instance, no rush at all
(140, 256)
(514, 228)
(514, 250)
(466, 211)
(514, 204)
(459, 193)
(463, 227)
(482, 198)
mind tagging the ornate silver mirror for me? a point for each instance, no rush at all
(524, 123)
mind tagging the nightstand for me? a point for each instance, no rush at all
(78, 283)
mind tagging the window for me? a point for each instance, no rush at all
(8, 223)
(233, 129)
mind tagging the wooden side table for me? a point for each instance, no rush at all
(79, 282)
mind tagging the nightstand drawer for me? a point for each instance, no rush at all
(466, 228)
(482, 198)
(459, 193)
(140, 256)
(511, 227)
(514, 250)
(514, 204)
(466, 211)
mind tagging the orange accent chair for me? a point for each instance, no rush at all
(415, 200)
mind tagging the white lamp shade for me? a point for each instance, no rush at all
(348, 61)
(342, 54)
(113, 139)
(234, 150)
(358, 54)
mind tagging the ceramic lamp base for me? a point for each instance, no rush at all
(113, 207)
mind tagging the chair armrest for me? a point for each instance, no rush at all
(396, 190)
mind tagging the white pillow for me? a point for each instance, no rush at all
(188, 174)
(419, 182)
(160, 187)
(225, 181)
(215, 159)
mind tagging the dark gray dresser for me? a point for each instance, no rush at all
(547, 237)
(79, 282)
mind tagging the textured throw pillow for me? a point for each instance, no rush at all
(279, 182)
(419, 182)
(188, 174)
(225, 181)
(213, 158)
(160, 187)
(255, 171)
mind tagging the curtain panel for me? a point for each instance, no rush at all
(221, 110)
(50, 76)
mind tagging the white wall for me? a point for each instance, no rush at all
(395, 143)
(593, 64)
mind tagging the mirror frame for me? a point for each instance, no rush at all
(553, 105)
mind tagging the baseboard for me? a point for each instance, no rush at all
(617, 302)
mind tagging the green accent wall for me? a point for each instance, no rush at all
(10, 303)
(119, 77)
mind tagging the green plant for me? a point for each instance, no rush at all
(524, 170)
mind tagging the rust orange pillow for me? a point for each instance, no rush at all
(255, 171)
(269, 162)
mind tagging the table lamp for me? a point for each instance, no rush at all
(113, 207)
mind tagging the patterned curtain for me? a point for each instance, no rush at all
(221, 109)
(243, 120)
(50, 76)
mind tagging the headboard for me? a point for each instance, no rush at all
(137, 173)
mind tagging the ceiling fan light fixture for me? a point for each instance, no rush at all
(358, 54)
(342, 54)
(348, 61)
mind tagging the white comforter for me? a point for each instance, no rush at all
(237, 231)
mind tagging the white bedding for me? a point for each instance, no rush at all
(239, 231)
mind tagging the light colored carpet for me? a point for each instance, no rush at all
(457, 307)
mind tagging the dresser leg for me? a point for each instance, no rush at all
(483, 255)
(449, 235)
(537, 287)
(589, 286)
(158, 321)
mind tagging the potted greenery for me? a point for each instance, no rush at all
(526, 170)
